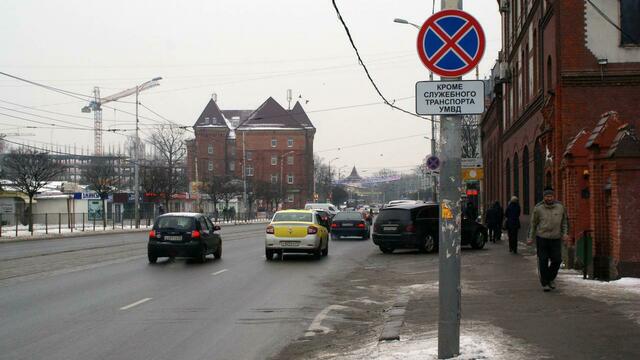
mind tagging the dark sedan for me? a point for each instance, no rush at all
(183, 235)
(350, 224)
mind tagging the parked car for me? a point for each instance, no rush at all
(401, 202)
(297, 231)
(328, 207)
(189, 235)
(350, 223)
(416, 226)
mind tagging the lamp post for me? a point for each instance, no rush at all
(331, 178)
(282, 174)
(136, 153)
(433, 124)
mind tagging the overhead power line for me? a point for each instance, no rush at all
(371, 143)
(51, 88)
(608, 19)
(373, 83)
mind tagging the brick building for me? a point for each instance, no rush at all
(274, 144)
(563, 64)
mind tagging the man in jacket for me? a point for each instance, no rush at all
(549, 225)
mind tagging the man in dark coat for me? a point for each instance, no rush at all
(513, 223)
(493, 219)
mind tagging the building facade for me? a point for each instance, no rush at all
(563, 64)
(271, 147)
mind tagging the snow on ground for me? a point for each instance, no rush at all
(628, 285)
(477, 341)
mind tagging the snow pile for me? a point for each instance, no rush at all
(630, 285)
(479, 342)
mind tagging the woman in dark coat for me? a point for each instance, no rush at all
(493, 219)
(513, 223)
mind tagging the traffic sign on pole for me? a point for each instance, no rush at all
(451, 43)
(433, 163)
(463, 97)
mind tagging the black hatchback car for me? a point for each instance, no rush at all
(350, 223)
(416, 226)
(189, 235)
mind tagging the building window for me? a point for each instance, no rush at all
(206, 120)
(232, 166)
(274, 178)
(630, 22)
(508, 180)
(249, 170)
(210, 165)
(274, 159)
(525, 180)
(290, 160)
(249, 155)
(290, 142)
(290, 198)
(289, 179)
(210, 149)
(516, 176)
(274, 142)
(549, 76)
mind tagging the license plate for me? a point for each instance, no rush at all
(173, 238)
(390, 228)
(347, 224)
(289, 243)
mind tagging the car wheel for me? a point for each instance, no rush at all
(386, 250)
(317, 253)
(325, 251)
(152, 258)
(429, 244)
(478, 240)
(218, 253)
(268, 254)
(202, 257)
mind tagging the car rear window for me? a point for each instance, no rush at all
(293, 216)
(394, 215)
(348, 215)
(175, 223)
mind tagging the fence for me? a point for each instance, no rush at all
(59, 223)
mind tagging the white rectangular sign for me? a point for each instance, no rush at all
(464, 97)
(467, 163)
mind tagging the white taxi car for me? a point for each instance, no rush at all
(297, 231)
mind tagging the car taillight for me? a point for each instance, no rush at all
(152, 233)
(410, 228)
(312, 230)
(270, 229)
(360, 225)
(195, 234)
(334, 225)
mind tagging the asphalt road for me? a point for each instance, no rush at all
(98, 298)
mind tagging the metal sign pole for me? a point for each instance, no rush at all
(450, 224)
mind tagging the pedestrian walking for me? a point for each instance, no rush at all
(493, 220)
(161, 209)
(549, 226)
(471, 211)
(512, 223)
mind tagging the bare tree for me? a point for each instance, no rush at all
(169, 142)
(101, 177)
(470, 136)
(222, 188)
(153, 179)
(213, 187)
(29, 171)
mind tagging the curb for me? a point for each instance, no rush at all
(395, 319)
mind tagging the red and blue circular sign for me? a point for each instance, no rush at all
(451, 43)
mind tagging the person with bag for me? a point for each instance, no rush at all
(512, 223)
(549, 226)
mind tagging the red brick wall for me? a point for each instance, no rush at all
(625, 216)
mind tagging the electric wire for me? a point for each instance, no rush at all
(361, 62)
(608, 19)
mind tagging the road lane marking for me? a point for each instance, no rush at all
(135, 304)
(316, 325)
(219, 272)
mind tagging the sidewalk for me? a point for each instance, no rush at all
(505, 313)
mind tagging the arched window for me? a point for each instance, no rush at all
(538, 172)
(525, 180)
(549, 75)
(516, 177)
(548, 181)
(508, 181)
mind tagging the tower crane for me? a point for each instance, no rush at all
(95, 105)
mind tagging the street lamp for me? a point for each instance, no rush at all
(433, 125)
(136, 211)
(282, 174)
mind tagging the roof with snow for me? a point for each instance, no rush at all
(353, 176)
(211, 117)
(272, 116)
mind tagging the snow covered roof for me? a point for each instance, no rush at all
(270, 116)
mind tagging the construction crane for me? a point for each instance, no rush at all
(96, 106)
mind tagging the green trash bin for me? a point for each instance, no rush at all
(584, 252)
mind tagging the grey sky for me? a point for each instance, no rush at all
(245, 51)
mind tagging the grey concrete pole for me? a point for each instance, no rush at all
(136, 167)
(450, 224)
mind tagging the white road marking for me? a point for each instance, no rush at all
(219, 272)
(135, 304)
(316, 325)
